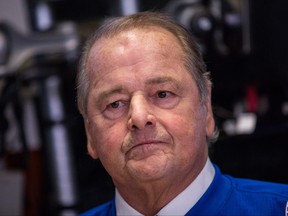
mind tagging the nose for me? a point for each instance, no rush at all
(140, 115)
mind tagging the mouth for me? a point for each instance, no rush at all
(147, 143)
(145, 149)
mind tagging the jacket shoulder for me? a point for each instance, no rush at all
(260, 187)
(106, 209)
(252, 197)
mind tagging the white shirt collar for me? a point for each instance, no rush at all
(182, 203)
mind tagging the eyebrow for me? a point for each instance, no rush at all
(164, 79)
(105, 94)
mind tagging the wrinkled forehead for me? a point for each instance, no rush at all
(153, 39)
(127, 47)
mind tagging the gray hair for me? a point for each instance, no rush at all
(193, 60)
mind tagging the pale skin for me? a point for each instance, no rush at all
(145, 121)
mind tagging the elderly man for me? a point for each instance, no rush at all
(145, 97)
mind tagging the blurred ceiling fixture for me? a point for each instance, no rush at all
(223, 23)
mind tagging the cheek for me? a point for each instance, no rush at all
(184, 130)
(188, 140)
(187, 127)
(107, 139)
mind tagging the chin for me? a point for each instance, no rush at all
(151, 168)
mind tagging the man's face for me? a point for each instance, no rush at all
(145, 120)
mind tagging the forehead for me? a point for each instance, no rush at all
(146, 52)
(151, 39)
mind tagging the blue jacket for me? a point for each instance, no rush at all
(229, 196)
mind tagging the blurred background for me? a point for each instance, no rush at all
(44, 166)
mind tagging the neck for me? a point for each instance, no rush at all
(150, 197)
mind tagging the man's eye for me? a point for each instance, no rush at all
(115, 109)
(165, 99)
(116, 104)
(163, 94)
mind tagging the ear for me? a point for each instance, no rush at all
(210, 122)
(90, 147)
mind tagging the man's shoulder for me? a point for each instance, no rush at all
(250, 186)
(263, 188)
(254, 197)
(105, 209)
(237, 196)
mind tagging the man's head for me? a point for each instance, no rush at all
(145, 96)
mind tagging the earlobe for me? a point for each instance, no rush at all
(90, 148)
(92, 152)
